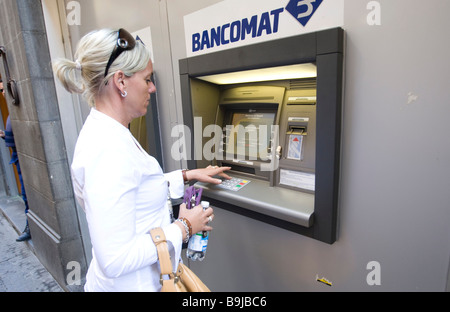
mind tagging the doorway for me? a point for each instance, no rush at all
(13, 187)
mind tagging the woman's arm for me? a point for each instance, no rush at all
(206, 174)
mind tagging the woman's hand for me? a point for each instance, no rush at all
(198, 217)
(206, 174)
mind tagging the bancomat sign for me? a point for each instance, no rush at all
(232, 23)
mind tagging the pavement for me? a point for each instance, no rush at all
(20, 269)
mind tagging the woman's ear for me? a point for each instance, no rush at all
(119, 80)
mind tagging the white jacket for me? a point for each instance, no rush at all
(123, 191)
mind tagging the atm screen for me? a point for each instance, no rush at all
(249, 134)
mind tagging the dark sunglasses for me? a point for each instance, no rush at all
(125, 42)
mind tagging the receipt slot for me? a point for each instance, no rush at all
(281, 137)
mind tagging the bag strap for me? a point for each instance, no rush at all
(159, 239)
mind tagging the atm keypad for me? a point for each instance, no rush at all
(235, 184)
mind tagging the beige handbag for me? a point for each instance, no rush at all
(183, 280)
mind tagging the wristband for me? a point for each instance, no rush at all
(185, 179)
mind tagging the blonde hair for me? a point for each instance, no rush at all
(86, 74)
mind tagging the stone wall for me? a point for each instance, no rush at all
(39, 139)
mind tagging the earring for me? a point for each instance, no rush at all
(124, 94)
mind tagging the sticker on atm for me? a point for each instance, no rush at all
(298, 179)
(295, 147)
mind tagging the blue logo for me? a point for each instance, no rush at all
(303, 10)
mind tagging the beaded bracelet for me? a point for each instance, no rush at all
(187, 227)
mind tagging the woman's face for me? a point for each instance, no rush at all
(139, 89)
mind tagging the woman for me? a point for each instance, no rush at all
(121, 188)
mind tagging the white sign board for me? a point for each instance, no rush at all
(234, 23)
(145, 35)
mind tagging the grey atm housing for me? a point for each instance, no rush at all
(308, 212)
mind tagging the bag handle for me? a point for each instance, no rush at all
(159, 239)
(191, 281)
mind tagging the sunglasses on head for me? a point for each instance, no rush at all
(125, 42)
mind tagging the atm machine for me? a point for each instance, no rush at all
(269, 142)
(281, 137)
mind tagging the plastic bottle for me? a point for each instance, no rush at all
(198, 243)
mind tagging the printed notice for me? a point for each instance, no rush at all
(295, 147)
(298, 179)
